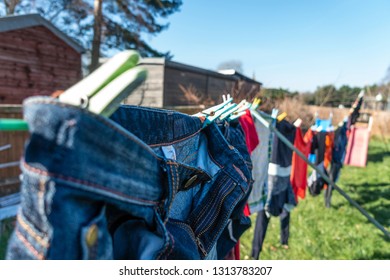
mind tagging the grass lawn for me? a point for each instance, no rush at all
(339, 232)
(316, 232)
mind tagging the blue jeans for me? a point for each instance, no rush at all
(147, 184)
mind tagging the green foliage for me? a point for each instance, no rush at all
(339, 232)
(278, 93)
(6, 227)
(330, 96)
(125, 22)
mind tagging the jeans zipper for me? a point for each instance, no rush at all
(200, 245)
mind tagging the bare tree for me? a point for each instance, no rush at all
(97, 35)
(10, 6)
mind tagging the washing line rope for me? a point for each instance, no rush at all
(321, 173)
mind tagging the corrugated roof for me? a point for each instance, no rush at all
(10, 23)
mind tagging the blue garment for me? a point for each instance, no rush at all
(127, 188)
(338, 155)
(324, 124)
(340, 144)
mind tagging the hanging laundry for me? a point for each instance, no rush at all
(260, 159)
(145, 184)
(338, 155)
(280, 156)
(322, 147)
(315, 182)
(252, 140)
(260, 231)
(280, 194)
(329, 143)
(280, 197)
(299, 166)
(251, 136)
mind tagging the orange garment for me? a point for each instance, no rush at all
(329, 143)
(298, 176)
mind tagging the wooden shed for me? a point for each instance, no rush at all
(36, 58)
(171, 84)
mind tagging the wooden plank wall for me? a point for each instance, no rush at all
(9, 175)
(183, 88)
(34, 61)
(186, 88)
(150, 93)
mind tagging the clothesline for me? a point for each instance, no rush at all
(320, 172)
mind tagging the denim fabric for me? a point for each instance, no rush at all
(147, 184)
(262, 221)
(238, 222)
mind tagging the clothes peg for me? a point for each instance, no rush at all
(229, 112)
(244, 105)
(80, 93)
(298, 122)
(212, 110)
(274, 113)
(256, 102)
(236, 115)
(107, 100)
(218, 113)
(282, 116)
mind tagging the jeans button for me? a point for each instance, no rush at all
(92, 235)
(190, 181)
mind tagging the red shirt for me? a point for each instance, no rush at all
(298, 176)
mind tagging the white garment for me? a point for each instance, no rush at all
(260, 161)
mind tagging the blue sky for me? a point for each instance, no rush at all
(294, 44)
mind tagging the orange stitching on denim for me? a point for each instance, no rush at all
(214, 191)
(49, 174)
(224, 217)
(166, 246)
(178, 178)
(186, 227)
(173, 185)
(33, 234)
(228, 190)
(29, 246)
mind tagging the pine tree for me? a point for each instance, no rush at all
(106, 25)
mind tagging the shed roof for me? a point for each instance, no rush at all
(10, 23)
(229, 74)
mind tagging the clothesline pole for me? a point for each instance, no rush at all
(321, 173)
